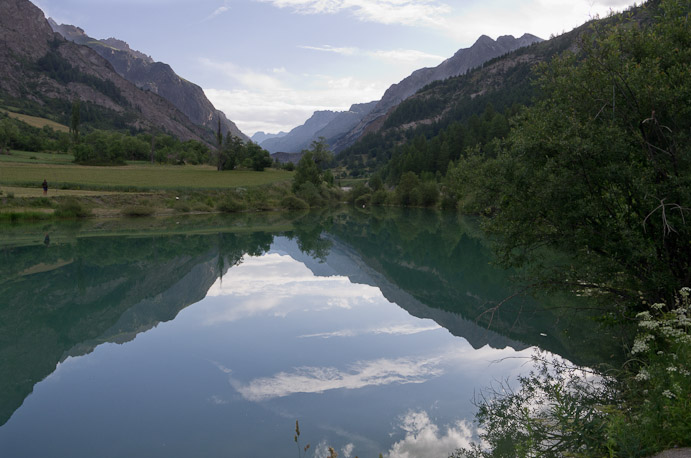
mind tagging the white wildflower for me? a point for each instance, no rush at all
(668, 394)
(640, 344)
(644, 316)
(643, 375)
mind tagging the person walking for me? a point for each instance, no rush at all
(45, 187)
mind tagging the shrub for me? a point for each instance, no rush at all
(428, 194)
(231, 205)
(72, 208)
(363, 200)
(379, 198)
(41, 202)
(294, 203)
(358, 190)
(310, 194)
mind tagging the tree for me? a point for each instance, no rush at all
(306, 172)
(219, 145)
(600, 168)
(75, 121)
(321, 154)
(259, 157)
(232, 153)
(8, 131)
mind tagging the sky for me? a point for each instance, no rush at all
(269, 64)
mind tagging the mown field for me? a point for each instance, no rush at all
(24, 169)
(35, 121)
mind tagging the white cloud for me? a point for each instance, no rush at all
(538, 17)
(405, 55)
(320, 379)
(406, 12)
(402, 329)
(348, 450)
(393, 55)
(219, 11)
(264, 286)
(261, 101)
(346, 51)
(424, 438)
(275, 99)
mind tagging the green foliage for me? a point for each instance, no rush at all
(71, 208)
(259, 157)
(407, 192)
(237, 153)
(321, 154)
(556, 412)
(601, 167)
(428, 192)
(658, 385)
(18, 135)
(111, 148)
(379, 198)
(306, 171)
(75, 120)
(294, 203)
(561, 410)
(359, 189)
(8, 133)
(310, 194)
(231, 204)
(363, 200)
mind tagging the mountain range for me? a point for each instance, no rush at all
(342, 129)
(156, 77)
(331, 125)
(42, 74)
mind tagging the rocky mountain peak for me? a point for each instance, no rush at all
(123, 46)
(24, 28)
(156, 77)
(484, 49)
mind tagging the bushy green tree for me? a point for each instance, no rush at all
(600, 168)
(259, 157)
(306, 171)
(8, 131)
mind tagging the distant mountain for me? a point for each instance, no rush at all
(42, 73)
(261, 136)
(156, 77)
(464, 60)
(284, 158)
(300, 137)
(332, 125)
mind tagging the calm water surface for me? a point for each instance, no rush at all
(212, 340)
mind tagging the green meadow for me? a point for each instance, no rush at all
(22, 169)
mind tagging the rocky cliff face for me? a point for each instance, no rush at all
(40, 68)
(464, 60)
(156, 77)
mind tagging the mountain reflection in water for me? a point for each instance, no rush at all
(323, 305)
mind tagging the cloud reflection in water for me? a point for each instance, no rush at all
(320, 379)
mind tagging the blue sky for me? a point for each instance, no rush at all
(269, 64)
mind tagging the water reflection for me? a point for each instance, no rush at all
(363, 327)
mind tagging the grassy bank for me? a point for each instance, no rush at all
(138, 189)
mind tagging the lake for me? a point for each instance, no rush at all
(211, 336)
